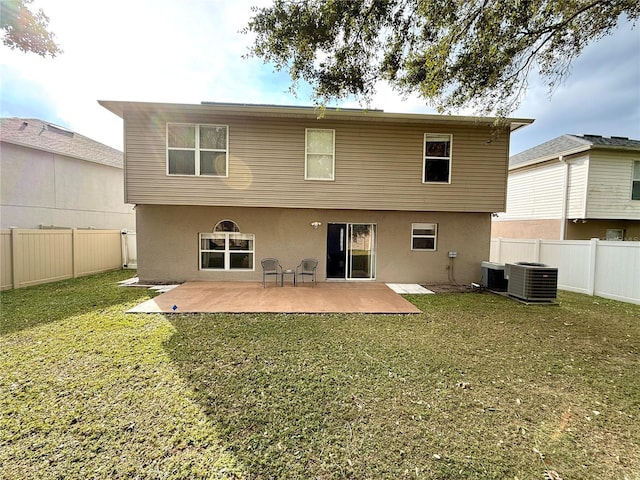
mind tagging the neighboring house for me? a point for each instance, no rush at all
(55, 178)
(371, 195)
(575, 188)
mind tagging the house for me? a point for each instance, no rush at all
(53, 177)
(371, 195)
(574, 187)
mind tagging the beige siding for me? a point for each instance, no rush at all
(378, 166)
(609, 187)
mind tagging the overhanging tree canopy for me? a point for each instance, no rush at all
(454, 53)
(25, 30)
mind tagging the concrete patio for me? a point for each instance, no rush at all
(249, 297)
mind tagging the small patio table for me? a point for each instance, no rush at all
(288, 272)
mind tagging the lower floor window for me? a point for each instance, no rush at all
(423, 236)
(226, 251)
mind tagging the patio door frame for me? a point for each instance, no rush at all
(340, 251)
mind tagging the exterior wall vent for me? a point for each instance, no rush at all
(532, 282)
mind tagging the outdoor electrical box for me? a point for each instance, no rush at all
(453, 254)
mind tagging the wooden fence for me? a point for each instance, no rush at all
(30, 257)
(609, 269)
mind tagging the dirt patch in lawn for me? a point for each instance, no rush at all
(449, 288)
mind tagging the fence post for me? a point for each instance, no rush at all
(593, 251)
(124, 247)
(15, 265)
(536, 250)
(74, 252)
(499, 250)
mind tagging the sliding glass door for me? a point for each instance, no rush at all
(351, 251)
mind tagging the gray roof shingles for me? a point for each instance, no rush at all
(567, 143)
(34, 133)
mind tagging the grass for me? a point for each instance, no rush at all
(478, 386)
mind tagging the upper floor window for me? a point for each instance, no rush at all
(635, 188)
(319, 154)
(423, 236)
(437, 158)
(197, 149)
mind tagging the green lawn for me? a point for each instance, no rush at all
(478, 386)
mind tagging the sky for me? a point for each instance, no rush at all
(190, 51)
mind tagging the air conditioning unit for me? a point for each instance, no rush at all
(532, 282)
(493, 276)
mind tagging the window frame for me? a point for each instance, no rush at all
(425, 158)
(227, 251)
(424, 226)
(196, 149)
(635, 181)
(307, 153)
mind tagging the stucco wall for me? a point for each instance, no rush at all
(43, 188)
(168, 247)
(598, 229)
(547, 229)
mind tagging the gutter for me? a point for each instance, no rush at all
(565, 198)
(120, 107)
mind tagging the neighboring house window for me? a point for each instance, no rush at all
(635, 188)
(614, 234)
(226, 248)
(319, 154)
(423, 236)
(437, 158)
(197, 149)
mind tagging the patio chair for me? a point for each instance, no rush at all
(271, 266)
(307, 268)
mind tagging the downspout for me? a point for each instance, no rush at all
(565, 198)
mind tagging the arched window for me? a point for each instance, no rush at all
(226, 226)
(226, 248)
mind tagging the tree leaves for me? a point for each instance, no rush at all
(25, 30)
(454, 53)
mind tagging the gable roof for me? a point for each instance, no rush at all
(284, 111)
(568, 145)
(34, 133)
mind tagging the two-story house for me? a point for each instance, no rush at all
(372, 195)
(54, 177)
(574, 188)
